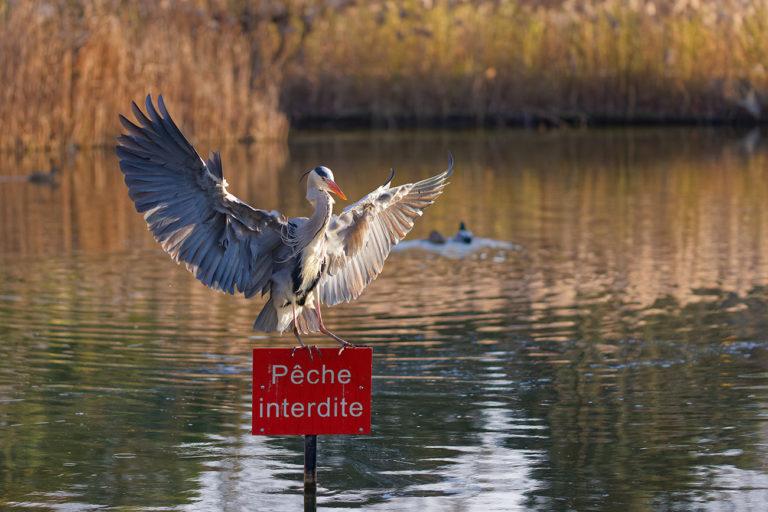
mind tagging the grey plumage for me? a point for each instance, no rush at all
(227, 244)
(233, 247)
(362, 236)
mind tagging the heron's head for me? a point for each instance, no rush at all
(321, 178)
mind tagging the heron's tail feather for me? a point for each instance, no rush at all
(272, 319)
(267, 319)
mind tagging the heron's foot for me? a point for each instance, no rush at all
(344, 344)
(347, 344)
(341, 341)
(302, 345)
(308, 348)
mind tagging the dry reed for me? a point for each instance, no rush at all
(69, 66)
(615, 60)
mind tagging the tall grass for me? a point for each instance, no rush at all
(67, 67)
(617, 60)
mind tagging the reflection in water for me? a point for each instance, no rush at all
(618, 361)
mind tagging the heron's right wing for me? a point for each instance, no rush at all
(360, 238)
(226, 243)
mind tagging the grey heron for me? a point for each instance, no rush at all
(301, 263)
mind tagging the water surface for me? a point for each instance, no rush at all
(618, 361)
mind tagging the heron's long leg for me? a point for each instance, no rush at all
(296, 333)
(344, 343)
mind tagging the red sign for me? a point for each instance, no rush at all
(329, 393)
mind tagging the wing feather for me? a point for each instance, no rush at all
(224, 242)
(362, 236)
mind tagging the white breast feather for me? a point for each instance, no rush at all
(312, 260)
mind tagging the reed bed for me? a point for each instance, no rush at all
(480, 61)
(68, 68)
(239, 69)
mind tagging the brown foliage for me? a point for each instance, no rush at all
(69, 68)
(229, 67)
(478, 60)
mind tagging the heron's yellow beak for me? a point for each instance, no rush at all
(333, 187)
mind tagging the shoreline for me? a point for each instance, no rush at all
(525, 122)
(310, 125)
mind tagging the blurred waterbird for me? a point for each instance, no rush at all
(230, 246)
(44, 177)
(463, 244)
(36, 177)
(462, 236)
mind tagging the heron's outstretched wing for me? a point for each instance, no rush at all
(361, 237)
(226, 243)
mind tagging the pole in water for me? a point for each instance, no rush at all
(310, 464)
(310, 473)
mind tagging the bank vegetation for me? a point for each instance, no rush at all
(246, 70)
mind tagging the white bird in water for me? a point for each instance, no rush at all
(230, 246)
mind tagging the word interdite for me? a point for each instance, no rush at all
(329, 393)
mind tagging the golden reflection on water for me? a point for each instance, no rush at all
(608, 217)
(643, 214)
(604, 218)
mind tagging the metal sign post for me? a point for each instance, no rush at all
(310, 463)
(326, 392)
(310, 473)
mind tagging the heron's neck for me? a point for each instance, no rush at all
(323, 204)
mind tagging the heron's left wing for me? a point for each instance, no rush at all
(361, 237)
(226, 243)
